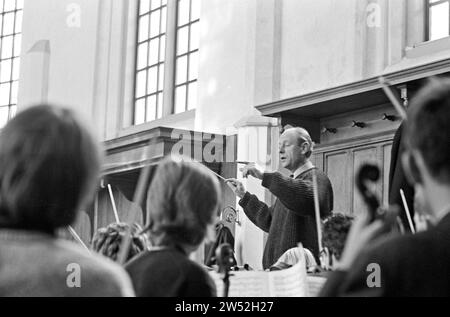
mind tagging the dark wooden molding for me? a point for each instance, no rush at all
(355, 142)
(355, 91)
(311, 125)
(128, 153)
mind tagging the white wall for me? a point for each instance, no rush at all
(71, 57)
(318, 47)
(226, 78)
(329, 43)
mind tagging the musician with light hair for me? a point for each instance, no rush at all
(183, 206)
(292, 218)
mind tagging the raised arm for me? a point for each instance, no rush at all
(258, 212)
(297, 194)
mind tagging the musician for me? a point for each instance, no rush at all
(107, 241)
(292, 257)
(292, 218)
(49, 167)
(183, 203)
(410, 265)
(335, 230)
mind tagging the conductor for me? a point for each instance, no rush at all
(292, 218)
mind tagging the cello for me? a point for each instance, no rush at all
(367, 174)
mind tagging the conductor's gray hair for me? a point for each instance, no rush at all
(303, 136)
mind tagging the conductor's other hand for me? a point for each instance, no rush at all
(237, 187)
(252, 170)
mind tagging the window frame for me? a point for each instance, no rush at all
(160, 62)
(15, 58)
(428, 6)
(188, 55)
(170, 61)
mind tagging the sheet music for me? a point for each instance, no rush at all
(292, 282)
(244, 284)
(315, 285)
(289, 283)
(286, 283)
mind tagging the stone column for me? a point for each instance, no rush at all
(257, 142)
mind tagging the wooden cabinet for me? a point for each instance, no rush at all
(341, 163)
(337, 168)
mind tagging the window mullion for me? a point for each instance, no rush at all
(186, 106)
(169, 69)
(10, 30)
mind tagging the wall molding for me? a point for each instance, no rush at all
(355, 88)
(355, 142)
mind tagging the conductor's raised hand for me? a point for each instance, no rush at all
(252, 170)
(237, 187)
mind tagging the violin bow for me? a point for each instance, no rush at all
(387, 90)
(137, 199)
(77, 238)
(317, 210)
(113, 203)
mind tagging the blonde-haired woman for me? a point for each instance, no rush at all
(183, 202)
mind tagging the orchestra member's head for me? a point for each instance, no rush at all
(295, 147)
(427, 159)
(107, 241)
(335, 231)
(49, 166)
(183, 203)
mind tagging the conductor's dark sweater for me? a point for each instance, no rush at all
(292, 218)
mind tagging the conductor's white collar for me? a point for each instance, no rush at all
(305, 167)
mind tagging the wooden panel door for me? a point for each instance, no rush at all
(341, 164)
(337, 168)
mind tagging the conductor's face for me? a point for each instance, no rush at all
(292, 154)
